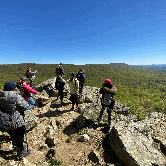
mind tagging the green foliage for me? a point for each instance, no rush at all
(143, 89)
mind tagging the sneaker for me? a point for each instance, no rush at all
(15, 149)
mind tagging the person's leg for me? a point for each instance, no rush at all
(72, 100)
(13, 136)
(76, 101)
(31, 82)
(109, 110)
(19, 143)
(31, 102)
(80, 88)
(61, 96)
(101, 112)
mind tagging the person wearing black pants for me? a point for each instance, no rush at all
(17, 136)
(59, 84)
(109, 89)
(13, 104)
(74, 100)
(81, 78)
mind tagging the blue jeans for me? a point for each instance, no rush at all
(31, 102)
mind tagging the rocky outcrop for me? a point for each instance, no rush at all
(133, 143)
(30, 119)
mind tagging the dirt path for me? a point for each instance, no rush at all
(54, 120)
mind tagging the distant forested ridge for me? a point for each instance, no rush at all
(142, 88)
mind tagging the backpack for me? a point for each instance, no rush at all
(9, 122)
(59, 71)
(59, 84)
(26, 74)
(80, 77)
(107, 99)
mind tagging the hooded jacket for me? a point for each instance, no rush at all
(26, 89)
(11, 102)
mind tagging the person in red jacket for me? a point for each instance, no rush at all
(27, 92)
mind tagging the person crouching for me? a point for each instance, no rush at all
(27, 92)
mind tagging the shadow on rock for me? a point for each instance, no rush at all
(109, 154)
(55, 113)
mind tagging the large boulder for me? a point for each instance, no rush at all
(133, 147)
(30, 119)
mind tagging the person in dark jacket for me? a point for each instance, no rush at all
(60, 71)
(81, 78)
(59, 84)
(109, 89)
(11, 103)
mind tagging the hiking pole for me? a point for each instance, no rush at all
(26, 140)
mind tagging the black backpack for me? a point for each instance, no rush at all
(59, 71)
(80, 77)
(59, 84)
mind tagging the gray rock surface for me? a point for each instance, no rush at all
(84, 138)
(30, 119)
(133, 147)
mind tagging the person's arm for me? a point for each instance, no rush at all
(63, 79)
(21, 103)
(29, 89)
(110, 90)
(32, 72)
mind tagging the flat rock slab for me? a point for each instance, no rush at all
(132, 147)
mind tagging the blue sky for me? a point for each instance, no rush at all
(83, 32)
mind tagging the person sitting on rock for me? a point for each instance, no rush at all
(59, 84)
(81, 78)
(27, 92)
(14, 104)
(31, 76)
(107, 91)
(60, 71)
(74, 89)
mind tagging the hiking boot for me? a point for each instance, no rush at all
(22, 153)
(15, 149)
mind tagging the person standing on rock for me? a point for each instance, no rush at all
(27, 92)
(12, 104)
(60, 71)
(59, 84)
(81, 78)
(74, 89)
(31, 76)
(107, 91)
